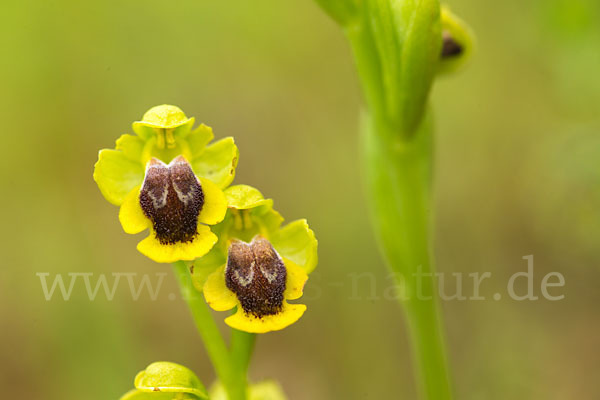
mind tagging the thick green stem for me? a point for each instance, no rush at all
(209, 332)
(398, 178)
(398, 182)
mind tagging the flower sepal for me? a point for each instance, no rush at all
(249, 214)
(297, 242)
(119, 170)
(202, 267)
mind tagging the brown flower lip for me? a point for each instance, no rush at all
(257, 276)
(172, 198)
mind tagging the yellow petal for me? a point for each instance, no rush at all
(289, 314)
(131, 216)
(216, 293)
(168, 253)
(295, 280)
(215, 204)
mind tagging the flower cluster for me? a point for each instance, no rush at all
(171, 180)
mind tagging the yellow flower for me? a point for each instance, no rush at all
(258, 265)
(176, 201)
(177, 207)
(259, 282)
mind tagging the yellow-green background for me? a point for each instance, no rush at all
(517, 173)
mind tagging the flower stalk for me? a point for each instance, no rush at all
(232, 378)
(242, 346)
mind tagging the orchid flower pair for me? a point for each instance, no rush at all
(170, 180)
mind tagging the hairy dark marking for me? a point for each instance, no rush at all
(172, 198)
(450, 47)
(257, 275)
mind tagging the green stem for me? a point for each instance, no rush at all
(398, 182)
(209, 332)
(398, 178)
(242, 345)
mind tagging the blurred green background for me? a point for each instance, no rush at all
(517, 173)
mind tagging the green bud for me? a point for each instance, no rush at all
(166, 381)
(457, 42)
(400, 46)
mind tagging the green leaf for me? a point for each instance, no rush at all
(116, 174)
(297, 242)
(169, 377)
(419, 24)
(218, 162)
(388, 43)
(406, 38)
